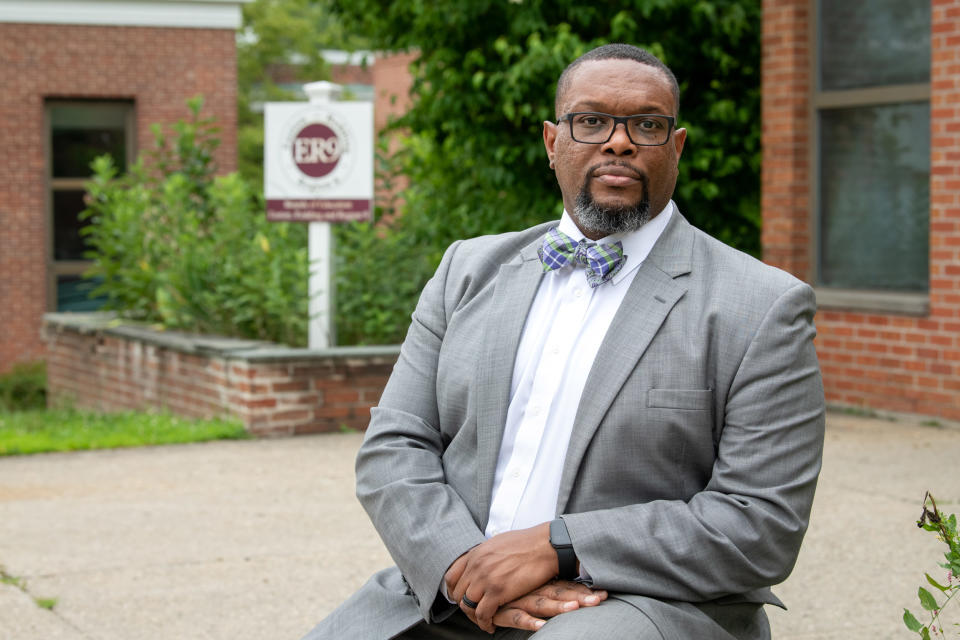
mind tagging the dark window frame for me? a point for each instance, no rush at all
(57, 268)
(900, 302)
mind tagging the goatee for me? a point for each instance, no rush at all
(600, 220)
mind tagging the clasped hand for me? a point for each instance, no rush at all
(511, 578)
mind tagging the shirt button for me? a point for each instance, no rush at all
(515, 474)
(577, 293)
(556, 350)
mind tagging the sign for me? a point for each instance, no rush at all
(318, 161)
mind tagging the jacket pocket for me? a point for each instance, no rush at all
(692, 399)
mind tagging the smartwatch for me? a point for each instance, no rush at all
(566, 558)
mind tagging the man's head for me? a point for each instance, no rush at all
(616, 185)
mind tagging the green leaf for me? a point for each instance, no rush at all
(910, 620)
(927, 600)
(936, 584)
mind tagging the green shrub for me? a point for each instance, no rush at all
(181, 248)
(24, 388)
(379, 273)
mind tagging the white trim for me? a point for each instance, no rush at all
(356, 58)
(215, 14)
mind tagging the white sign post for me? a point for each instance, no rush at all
(318, 168)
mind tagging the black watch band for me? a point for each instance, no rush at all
(566, 558)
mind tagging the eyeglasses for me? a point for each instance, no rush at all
(643, 129)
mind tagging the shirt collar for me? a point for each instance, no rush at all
(636, 244)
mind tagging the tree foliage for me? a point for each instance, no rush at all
(280, 38)
(485, 82)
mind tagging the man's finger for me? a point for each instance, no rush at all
(565, 590)
(517, 619)
(543, 606)
(484, 613)
(468, 606)
(452, 576)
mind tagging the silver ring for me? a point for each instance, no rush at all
(470, 603)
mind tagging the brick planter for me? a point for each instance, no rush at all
(95, 363)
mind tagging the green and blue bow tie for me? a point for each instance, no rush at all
(600, 261)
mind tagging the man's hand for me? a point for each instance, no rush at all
(552, 599)
(501, 570)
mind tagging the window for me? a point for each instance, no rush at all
(872, 153)
(78, 132)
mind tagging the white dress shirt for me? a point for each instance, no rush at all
(566, 324)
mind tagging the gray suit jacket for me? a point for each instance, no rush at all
(695, 452)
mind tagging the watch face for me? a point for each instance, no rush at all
(559, 536)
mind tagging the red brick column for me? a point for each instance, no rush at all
(943, 326)
(785, 180)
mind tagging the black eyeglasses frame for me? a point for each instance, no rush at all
(620, 120)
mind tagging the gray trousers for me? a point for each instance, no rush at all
(613, 619)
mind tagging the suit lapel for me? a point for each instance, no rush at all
(516, 286)
(651, 296)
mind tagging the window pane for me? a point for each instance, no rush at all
(68, 244)
(868, 43)
(73, 294)
(875, 197)
(80, 133)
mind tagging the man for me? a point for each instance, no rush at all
(647, 428)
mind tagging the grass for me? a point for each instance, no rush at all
(6, 578)
(39, 431)
(20, 583)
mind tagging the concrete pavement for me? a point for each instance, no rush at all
(260, 539)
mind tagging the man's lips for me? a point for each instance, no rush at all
(617, 176)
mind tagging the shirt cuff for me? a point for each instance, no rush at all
(443, 591)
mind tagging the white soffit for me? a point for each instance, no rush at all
(216, 14)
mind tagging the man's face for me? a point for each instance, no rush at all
(609, 187)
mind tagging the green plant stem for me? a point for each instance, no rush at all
(935, 617)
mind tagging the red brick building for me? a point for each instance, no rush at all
(861, 190)
(80, 78)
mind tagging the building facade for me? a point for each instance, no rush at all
(81, 78)
(861, 191)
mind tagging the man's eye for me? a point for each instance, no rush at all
(650, 123)
(591, 121)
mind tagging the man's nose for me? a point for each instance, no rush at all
(619, 143)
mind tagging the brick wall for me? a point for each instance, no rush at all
(885, 361)
(273, 390)
(392, 83)
(784, 175)
(157, 68)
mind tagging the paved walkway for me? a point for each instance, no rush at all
(260, 539)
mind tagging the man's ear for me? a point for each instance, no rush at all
(679, 138)
(550, 140)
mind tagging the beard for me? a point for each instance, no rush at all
(604, 220)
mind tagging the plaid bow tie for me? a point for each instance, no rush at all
(601, 261)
